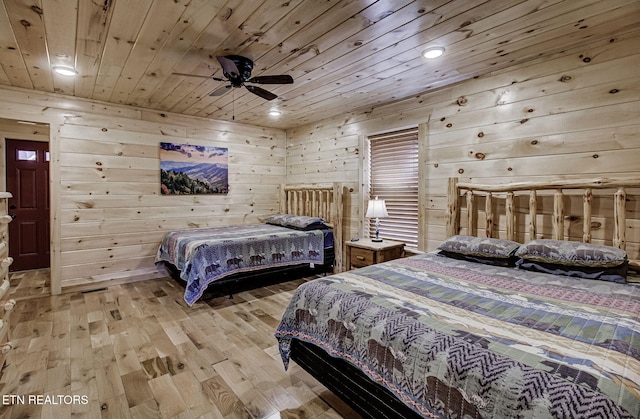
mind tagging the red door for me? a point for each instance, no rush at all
(28, 182)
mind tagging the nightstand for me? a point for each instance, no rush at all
(365, 252)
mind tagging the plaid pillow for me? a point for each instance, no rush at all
(568, 253)
(479, 246)
(301, 222)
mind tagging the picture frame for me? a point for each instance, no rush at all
(187, 169)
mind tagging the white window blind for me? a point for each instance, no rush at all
(393, 170)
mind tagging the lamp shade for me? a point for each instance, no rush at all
(376, 209)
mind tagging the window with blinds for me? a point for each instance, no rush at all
(393, 176)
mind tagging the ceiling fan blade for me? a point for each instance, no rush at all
(198, 75)
(229, 68)
(281, 79)
(221, 90)
(261, 92)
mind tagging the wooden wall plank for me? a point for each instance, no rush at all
(244, 192)
(110, 241)
(540, 145)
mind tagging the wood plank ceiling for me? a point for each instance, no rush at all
(344, 55)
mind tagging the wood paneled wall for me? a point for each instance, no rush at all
(323, 160)
(109, 215)
(575, 115)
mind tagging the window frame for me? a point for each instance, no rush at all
(416, 242)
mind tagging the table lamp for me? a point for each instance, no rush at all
(377, 209)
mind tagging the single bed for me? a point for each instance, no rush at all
(480, 328)
(306, 233)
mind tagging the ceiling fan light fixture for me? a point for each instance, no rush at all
(433, 52)
(64, 70)
(275, 113)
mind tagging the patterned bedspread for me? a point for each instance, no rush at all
(208, 254)
(458, 339)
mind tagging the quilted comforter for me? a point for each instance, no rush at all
(456, 339)
(209, 254)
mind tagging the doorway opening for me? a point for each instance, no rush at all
(27, 178)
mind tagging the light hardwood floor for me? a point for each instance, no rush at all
(139, 351)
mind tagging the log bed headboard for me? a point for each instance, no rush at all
(317, 200)
(462, 194)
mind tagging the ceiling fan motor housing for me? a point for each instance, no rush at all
(244, 65)
(237, 70)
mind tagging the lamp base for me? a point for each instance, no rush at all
(377, 238)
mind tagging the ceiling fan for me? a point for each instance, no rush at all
(237, 70)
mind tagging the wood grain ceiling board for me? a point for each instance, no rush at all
(345, 56)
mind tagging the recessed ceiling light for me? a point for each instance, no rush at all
(274, 113)
(64, 70)
(433, 52)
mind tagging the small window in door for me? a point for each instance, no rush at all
(46, 156)
(29, 155)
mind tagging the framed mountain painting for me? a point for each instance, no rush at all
(187, 169)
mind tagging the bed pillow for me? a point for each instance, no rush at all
(478, 249)
(298, 222)
(572, 253)
(277, 219)
(577, 259)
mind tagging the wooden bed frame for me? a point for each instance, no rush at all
(318, 200)
(373, 400)
(467, 192)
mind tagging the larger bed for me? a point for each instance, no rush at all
(455, 334)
